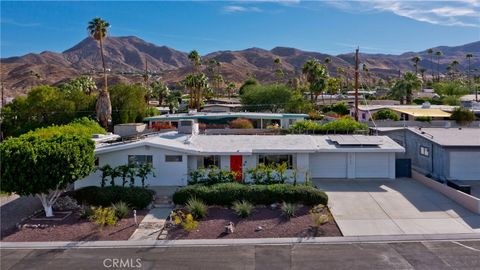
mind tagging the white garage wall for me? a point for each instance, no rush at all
(167, 173)
(465, 165)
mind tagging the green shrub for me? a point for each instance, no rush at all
(462, 116)
(135, 197)
(213, 175)
(121, 209)
(385, 114)
(104, 216)
(288, 209)
(227, 193)
(86, 212)
(343, 125)
(271, 174)
(339, 108)
(242, 208)
(197, 208)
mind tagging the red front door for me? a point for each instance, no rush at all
(236, 166)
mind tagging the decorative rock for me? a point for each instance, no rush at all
(229, 228)
(273, 205)
(259, 228)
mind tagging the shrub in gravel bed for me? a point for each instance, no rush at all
(243, 208)
(135, 197)
(121, 209)
(227, 193)
(288, 210)
(197, 208)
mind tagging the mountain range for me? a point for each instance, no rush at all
(128, 57)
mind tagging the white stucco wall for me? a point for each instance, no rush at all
(166, 173)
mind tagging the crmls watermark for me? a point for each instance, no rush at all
(122, 263)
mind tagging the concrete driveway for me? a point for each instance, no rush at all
(394, 207)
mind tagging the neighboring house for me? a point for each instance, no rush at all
(221, 107)
(405, 112)
(259, 120)
(444, 153)
(174, 154)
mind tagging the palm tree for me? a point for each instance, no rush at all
(415, 61)
(172, 101)
(316, 76)
(454, 65)
(160, 90)
(125, 171)
(430, 52)
(277, 63)
(406, 86)
(230, 87)
(143, 171)
(438, 54)
(469, 57)
(327, 62)
(196, 60)
(422, 72)
(97, 29)
(196, 82)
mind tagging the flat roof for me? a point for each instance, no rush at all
(447, 108)
(220, 115)
(450, 136)
(423, 112)
(249, 144)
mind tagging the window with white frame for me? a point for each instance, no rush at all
(140, 159)
(424, 151)
(276, 159)
(173, 158)
(208, 161)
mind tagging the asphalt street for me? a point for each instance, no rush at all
(401, 255)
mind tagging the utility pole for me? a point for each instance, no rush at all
(357, 60)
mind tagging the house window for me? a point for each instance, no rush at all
(173, 158)
(140, 159)
(424, 151)
(276, 159)
(208, 161)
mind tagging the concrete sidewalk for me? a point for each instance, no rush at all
(394, 207)
(152, 225)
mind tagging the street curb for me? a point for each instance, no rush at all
(238, 242)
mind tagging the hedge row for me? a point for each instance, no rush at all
(135, 197)
(227, 193)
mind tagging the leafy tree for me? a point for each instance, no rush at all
(128, 103)
(269, 97)
(98, 28)
(453, 88)
(248, 82)
(385, 114)
(339, 108)
(32, 165)
(462, 116)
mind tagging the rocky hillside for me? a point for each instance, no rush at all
(126, 58)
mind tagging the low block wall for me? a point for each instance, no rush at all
(468, 201)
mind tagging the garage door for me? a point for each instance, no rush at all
(465, 165)
(371, 165)
(328, 165)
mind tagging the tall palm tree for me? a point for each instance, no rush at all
(438, 54)
(196, 60)
(454, 65)
(98, 29)
(422, 72)
(415, 61)
(196, 82)
(469, 57)
(277, 63)
(430, 52)
(316, 76)
(230, 88)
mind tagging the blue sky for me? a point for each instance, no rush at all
(332, 27)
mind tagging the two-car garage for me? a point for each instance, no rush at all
(352, 165)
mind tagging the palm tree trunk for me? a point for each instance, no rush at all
(103, 65)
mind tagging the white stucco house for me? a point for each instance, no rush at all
(174, 154)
